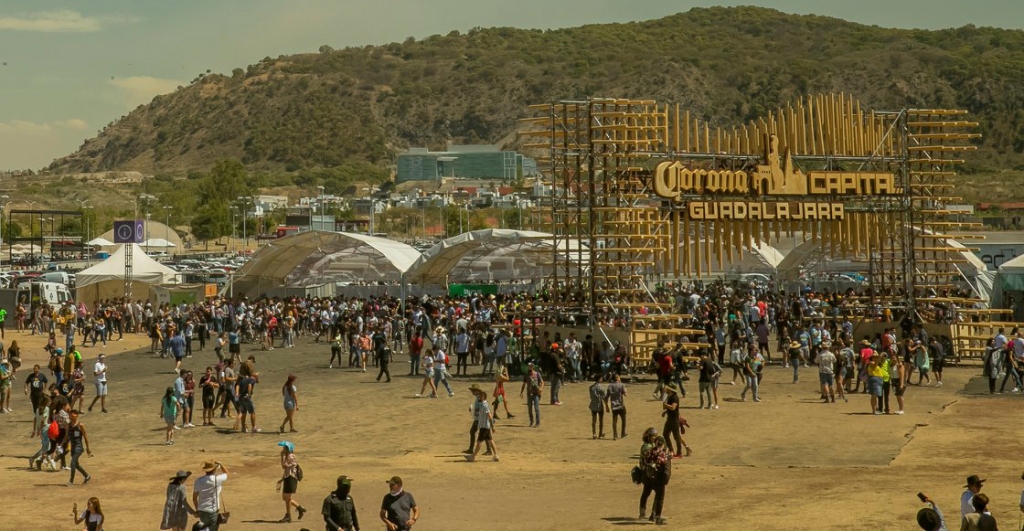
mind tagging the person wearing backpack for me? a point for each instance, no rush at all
(289, 482)
(535, 384)
(339, 508)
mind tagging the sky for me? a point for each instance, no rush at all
(67, 68)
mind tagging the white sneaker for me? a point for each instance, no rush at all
(900, 412)
(417, 395)
(938, 384)
(715, 406)
(190, 425)
(177, 427)
(1015, 390)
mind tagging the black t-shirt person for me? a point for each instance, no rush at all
(36, 383)
(398, 508)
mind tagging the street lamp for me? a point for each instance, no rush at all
(167, 225)
(88, 232)
(3, 203)
(320, 203)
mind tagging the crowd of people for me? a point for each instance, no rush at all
(500, 338)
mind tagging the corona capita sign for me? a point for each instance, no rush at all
(778, 179)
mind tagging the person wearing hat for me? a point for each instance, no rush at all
(931, 518)
(99, 371)
(206, 494)
(796, 355)
(398, 510)
(289, 482)
(826, 372)
(339, 509)
(483, 420)
(673, 422)
(476, 391)
(176, 507)
(972, 488)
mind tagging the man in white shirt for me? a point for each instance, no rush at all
(206, 494)
(441, 372)
(100, 372)
(973, 487)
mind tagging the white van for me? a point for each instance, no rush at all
(59, 277)
(36, 293)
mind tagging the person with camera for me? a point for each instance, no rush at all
(206, 496)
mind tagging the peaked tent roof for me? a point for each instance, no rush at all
(437, 262)
(311, 257)
(144, 269)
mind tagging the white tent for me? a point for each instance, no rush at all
(100, 242)
(106, 279)
(158, 243)
(504, 254)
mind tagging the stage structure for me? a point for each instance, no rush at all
(645, 192)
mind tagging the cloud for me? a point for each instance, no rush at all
(25, 144)
(141, 89)
(52, 22)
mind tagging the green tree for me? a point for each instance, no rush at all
(211, 221)
(226, 181)
(10, 230)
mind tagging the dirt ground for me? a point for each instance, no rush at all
(789, 462)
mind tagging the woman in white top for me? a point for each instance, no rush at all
(92, 515)
(291, 404)
(428, 377)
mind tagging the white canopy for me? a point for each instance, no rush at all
(315, 257)
(106, 279)
(100, 242)
(493, 247)
(157, 242)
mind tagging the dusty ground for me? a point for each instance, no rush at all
(787, 463)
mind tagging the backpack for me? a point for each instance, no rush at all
(54, 430)
(298, 472)
(535, 384)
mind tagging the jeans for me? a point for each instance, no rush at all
(796, 369)
(556, 386)
(705, 389)
(616, 414)
(414, 364)
(658, 488)
(489, 364)
(606, 367)
(441, 376)
(751, 386)
(533, 407)
(76, 452)
(210, 520)
(576, 373)
(1010, 371)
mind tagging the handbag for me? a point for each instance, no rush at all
(222, 514)
(636, 475)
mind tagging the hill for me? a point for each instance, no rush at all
(729, 65)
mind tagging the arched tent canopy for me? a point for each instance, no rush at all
(153, 229)
(762, 258)
(1009, 281)
(315, 257)
(518, 254)
(105, 280)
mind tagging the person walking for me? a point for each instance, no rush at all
(99, 372)
(499, 392)
(288, 485)
(826, 372)
(384, 359)
(441, 375)
(335, 351)
(176, 506)
(655, 471)
(92, 516)
(874, 385)
(339, 509)
(598, 407)
(923, 362)
(483, 420)
(796, 355)
(415, 348)
(206, 494)
(79, 442)
(398, 510)
(617, 400)
(245, 404)
(428, 377)
(898, 380)
(673, 422)
(169, 412)
(534, 383)
(752, 363)
(291, 404)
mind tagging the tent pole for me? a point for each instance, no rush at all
(402, 292)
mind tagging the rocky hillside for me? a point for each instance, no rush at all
(727, 64)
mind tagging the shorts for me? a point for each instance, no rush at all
(844, 372)
(289, 405)
(826, 378)
(483, 435)
(101, 388)
(208, 401)
(169, 419)
(235, 348)
(938, 364)
(897, 387)
(291, 485)
(245, 405)
(875, 385)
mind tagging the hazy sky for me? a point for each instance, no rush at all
(68, 67)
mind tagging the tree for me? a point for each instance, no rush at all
(10, 230)
(227, 181)
(211, 221)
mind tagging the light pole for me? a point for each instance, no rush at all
(320, 203)
(88, 233)
(145, 200)
(167, 225)
(3, 203)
